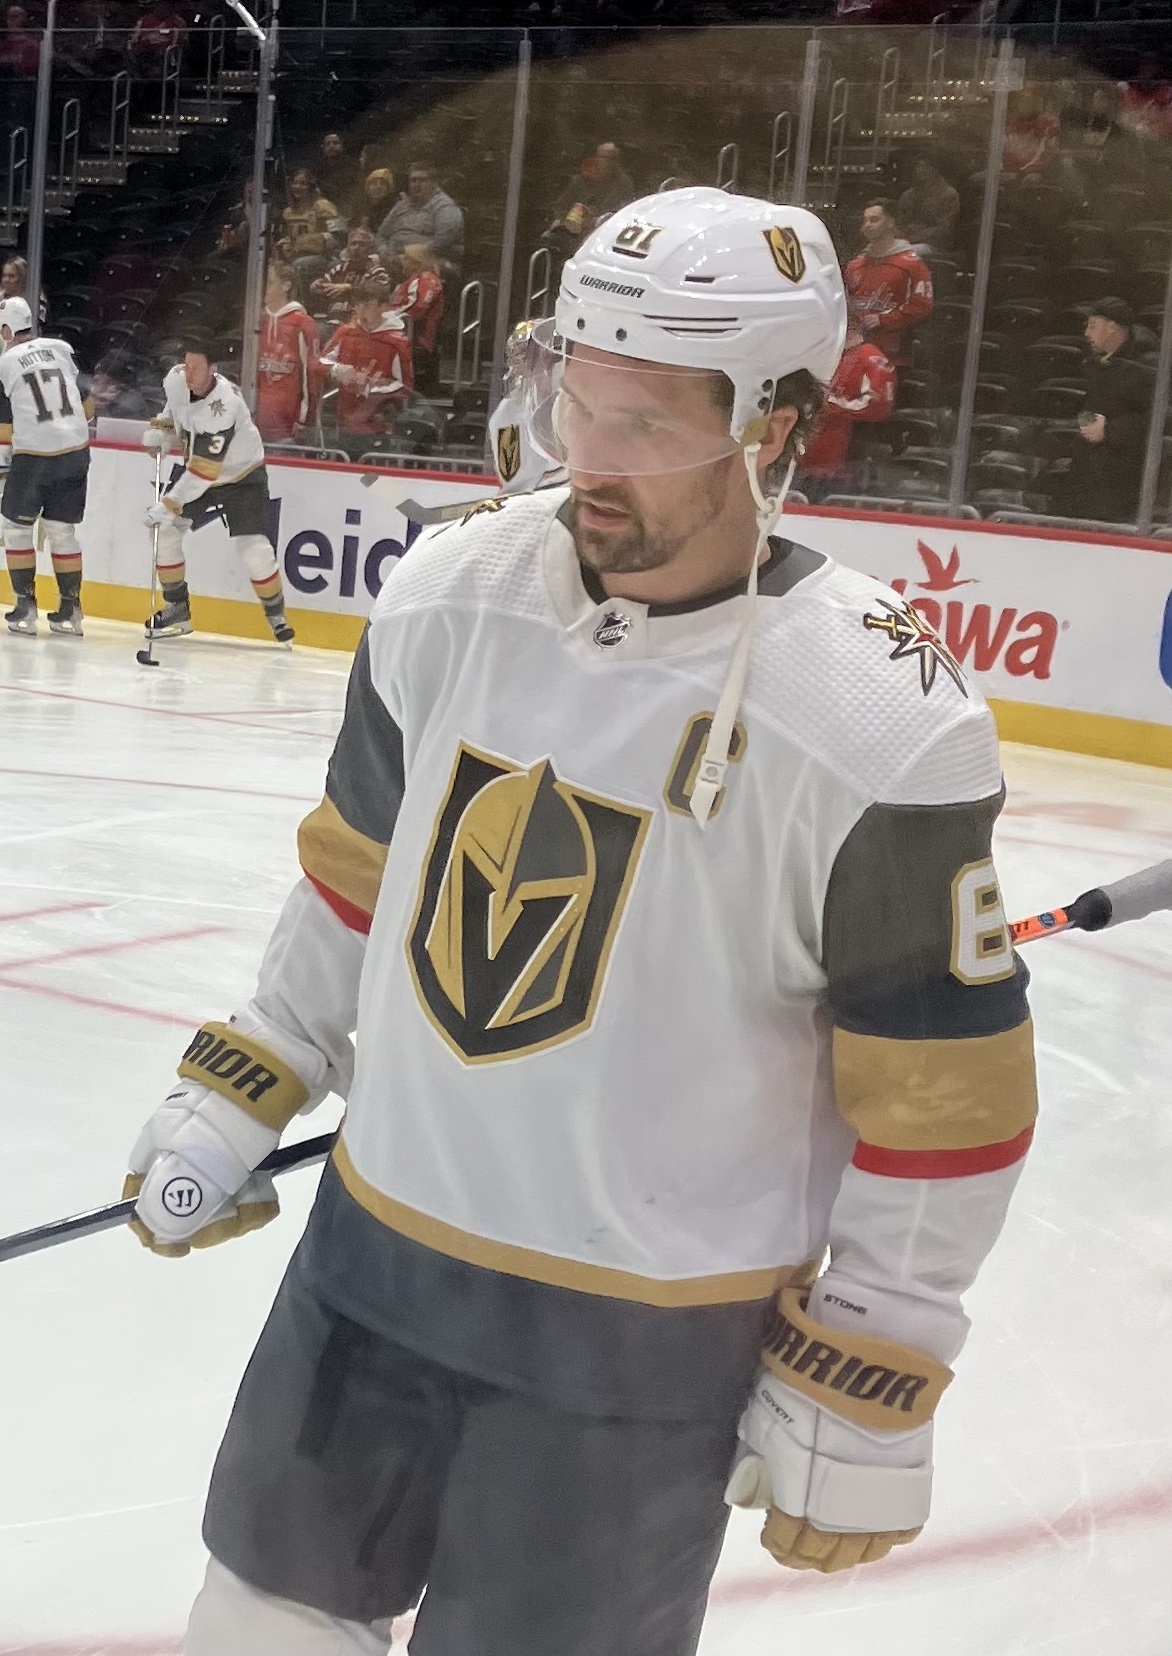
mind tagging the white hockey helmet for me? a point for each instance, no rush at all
(15, 314)
(701, 279)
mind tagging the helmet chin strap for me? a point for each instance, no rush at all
(714, 760)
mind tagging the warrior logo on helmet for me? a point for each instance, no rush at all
(787, 252)
(520, 902)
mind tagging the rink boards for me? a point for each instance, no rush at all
(1070, 636)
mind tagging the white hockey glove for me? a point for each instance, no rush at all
(192, 1167)
(158, 512)
(836, 1443)
(157, 438)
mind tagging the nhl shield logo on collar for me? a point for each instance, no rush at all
(787, 252)
(611, 630)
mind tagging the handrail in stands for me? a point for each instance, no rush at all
(471, 295)
(885, 105)
(779, 155)
(118, 145)
(69, 147)
(16, 198)
(728, 166)
(215, 66)
(169, 89)
(539, 259)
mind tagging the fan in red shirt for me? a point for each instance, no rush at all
(285, 382)
(369, 360)
(889, 286)
(862, 390)
(420, 296)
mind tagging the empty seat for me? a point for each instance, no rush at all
(1056, 399)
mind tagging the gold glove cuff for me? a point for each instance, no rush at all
(239, 1068)
(872, 1383)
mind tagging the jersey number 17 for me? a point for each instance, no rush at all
(44, 412)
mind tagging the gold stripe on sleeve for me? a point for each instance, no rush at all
(937, 1095)
(338, 856)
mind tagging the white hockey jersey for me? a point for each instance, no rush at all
(617, 1077)
(220, 442)
(42, 409)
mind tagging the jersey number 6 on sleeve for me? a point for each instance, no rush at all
(981, 949)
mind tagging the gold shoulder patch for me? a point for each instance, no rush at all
(494, 503)
(787, 252)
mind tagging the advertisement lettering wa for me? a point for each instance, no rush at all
(980, 635)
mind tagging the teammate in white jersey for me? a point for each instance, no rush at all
(223, 472)
(653, 873)
(45, 452)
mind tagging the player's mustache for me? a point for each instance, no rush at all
(602, 497)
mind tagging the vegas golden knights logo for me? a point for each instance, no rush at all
(524, 887)
(677, 793)
(787, 252)
(508, 453)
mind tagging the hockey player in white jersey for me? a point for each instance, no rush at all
(223, 471)
(44, 459)
(653, 874)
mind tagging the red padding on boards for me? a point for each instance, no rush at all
(348, 913)
(941, 1164)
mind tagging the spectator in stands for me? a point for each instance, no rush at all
(287, 378)
(310, 229)
(360, 266)
(377, 198)
(14, 285)
(891, 286)
(235, 232)
(337, 172)
(160, 26)
(1031, 137)
(862, 390)
(1090, 125)
(419, 297)
(369, 360)
(113, 395)
(1107, 467)
(599, 187)
(426, 214)
(1146, 108)
(20, 46)
(929, 210)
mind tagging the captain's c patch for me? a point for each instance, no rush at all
(520, 901)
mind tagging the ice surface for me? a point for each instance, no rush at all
(146, 843)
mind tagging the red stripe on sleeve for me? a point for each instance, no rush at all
(941, 1164)
(348, 913)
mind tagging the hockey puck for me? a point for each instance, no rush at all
(145, 658)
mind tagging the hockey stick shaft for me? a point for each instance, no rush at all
(1132, 898)
(283, 1160)
(154, 554)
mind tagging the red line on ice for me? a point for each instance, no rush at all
(174, 1020)
(1079, 1520)
(121, 946)
(155, 782)
(50, 908)
(166, 712)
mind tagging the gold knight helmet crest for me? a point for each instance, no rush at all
(508, 452)
(787, 252)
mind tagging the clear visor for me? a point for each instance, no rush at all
(603, 415)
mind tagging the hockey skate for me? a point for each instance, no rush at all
(171, 620)
(282, 631)
(22, 618)
(67, 618)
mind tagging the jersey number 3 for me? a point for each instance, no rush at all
(981, 947)
(48, 375)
